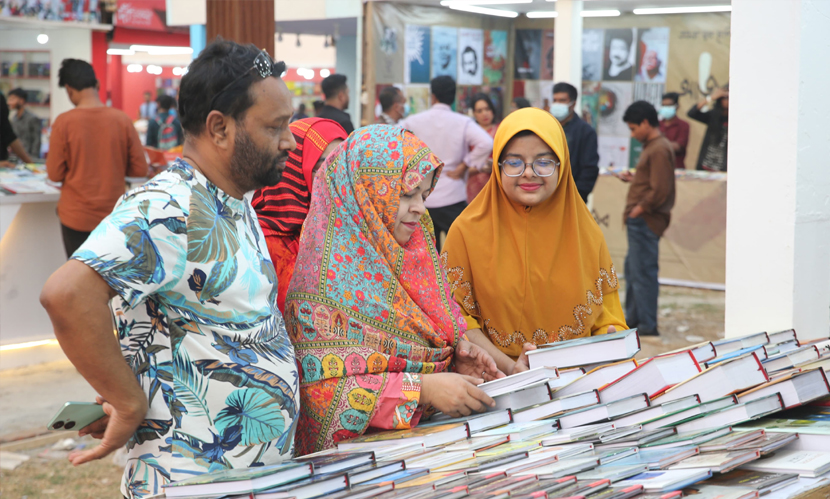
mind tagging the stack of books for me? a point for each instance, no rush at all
(731, 419)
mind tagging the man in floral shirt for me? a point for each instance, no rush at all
(210, 380)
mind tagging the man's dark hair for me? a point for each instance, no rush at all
(623, 34)
(639, 111)
(521, 102)
(166, 102)
(333, 84)
(318, 105)
(219, 65)
(20, 94)
(301, 108)
(483, 97)
(443, 88)
(76, 74)
(469, 50)
(566, 88)
(674, 96)
(389, 96)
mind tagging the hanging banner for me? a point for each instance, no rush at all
(592, 54)
(546, 70)
(444, 51)
(495, 57)
(528, 54)
(470, 56)
(652, 55)
(141, 14)
(416, 69)
(620, 54)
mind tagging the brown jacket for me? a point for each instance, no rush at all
(653, 184)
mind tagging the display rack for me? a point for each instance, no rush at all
(30, 70)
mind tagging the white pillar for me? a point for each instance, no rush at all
(567, 43)
(778, 196)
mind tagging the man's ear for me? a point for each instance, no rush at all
(221, 129)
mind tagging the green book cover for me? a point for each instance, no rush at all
(239, 474)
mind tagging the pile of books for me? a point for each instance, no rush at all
(732, 419)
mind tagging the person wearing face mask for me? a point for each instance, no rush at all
(379, 339)
(393, 106)
(675, 129)
(582, 139)
(527, 262)
(282, 209)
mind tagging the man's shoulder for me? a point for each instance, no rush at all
(169, 190)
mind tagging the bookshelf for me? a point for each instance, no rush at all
(30, 70)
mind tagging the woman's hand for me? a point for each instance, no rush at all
(454, 394)
(522, 364)
(472, 360)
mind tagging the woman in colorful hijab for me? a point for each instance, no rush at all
(369, 310)
(282, 209)
(527, 262)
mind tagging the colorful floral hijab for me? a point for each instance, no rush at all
(360, 305)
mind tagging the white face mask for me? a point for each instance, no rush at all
(560, 111)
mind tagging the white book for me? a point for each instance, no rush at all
(566, 377)
(520, 380)
(787, 360)
(597, 378)
(558, 406)
(566, 467)
(718, 462)
(657, 410)
(565, 451)
(653, 377)
(590, 350)
(823, 363)
(666, 480)
(672, 418)
(732, 415)
(783, 336)
(703, 352)
(811, 442)
(787, 346)
(726, 378)
(604, 412)
(730, 345)
(520, 431)
(577, 433)
(796, 389)
(805, 463)
(532, 394)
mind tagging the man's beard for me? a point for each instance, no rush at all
(253, 168)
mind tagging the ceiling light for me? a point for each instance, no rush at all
(153, 69)
(42, 38)
(447, 3)
(541, 14)
(600, 13)
(483, 10)
(120, 52)
(325, 73)
(684, 10)
(179, 71)
(160, 50)
(135, 68)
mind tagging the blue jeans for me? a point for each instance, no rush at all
(641, 269)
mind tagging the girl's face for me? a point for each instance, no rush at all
(528, 189)
(483, 114)
(411, 210)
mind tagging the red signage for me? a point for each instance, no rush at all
(142, 14)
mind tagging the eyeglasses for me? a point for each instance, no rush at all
(542, 167)
(264, 66)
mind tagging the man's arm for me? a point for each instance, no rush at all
(36, 130)
(76, 298)
(588, 162)
(152, 139)
(136, 161)
(661, 179)
(20, 151)
(482, 146)
(56, 159)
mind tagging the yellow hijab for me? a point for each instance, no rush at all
(539, 274)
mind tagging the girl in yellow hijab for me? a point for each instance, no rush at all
(527, 262)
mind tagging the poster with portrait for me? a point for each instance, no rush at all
(620, 54)
(416, 69)
(546, 72)
(613, 152)
(652, 55)
(464, 97)
(417, 96)
(495, 57)
(388, 54)
(527, 54)
(470, 56)
(614, 99)
(590, 103)
(444, 51)
(592, 54)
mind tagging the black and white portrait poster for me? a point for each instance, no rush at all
(620, 54)
(470, 56)
(528, 54)
(592, 54)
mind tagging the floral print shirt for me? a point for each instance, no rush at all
(197, 323)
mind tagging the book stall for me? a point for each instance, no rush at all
(737, 418)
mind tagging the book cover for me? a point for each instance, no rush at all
(414, 433)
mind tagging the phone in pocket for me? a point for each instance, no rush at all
(75, 415)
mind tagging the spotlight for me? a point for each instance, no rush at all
(42, 38)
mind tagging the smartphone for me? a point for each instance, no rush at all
(76, 415)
